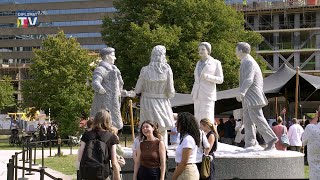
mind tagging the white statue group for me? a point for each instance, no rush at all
(155, 84)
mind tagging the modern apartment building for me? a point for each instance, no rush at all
(291, 31)
(24, 23)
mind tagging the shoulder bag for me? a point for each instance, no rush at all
(205, 164)
(284, 140)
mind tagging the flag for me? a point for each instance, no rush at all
(284, 111)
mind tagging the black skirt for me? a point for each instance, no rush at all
(145, 173)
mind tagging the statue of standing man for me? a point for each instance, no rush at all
(107, 84)
(207, 74)
(253, 99)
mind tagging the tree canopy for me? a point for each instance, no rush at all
(180, 26)
(60, 72)
(6, 95)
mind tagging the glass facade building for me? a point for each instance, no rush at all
(24, 23)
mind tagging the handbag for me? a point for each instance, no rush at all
(205, 167)
(205, 164)
(284, 140)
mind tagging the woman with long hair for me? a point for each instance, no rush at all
(280, 129)
(151, 154)
(213, 136)
(186, 152)
(101, 129)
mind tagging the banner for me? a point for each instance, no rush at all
(27, 18)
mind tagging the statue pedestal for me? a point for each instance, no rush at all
(232, 161)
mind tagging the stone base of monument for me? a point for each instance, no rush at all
(235, 162)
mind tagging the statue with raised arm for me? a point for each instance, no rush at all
(107, 84)
(155, 84)
(207, 74)
(253, 99)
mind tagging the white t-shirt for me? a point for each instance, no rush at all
(187, 142)
(206, 144)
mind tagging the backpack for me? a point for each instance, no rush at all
(94, 163)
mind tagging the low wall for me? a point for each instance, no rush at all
(245, 168)
(235, 162)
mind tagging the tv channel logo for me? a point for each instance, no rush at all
(27, 18)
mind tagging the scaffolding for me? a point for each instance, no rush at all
(291, 31)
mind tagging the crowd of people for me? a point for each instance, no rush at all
(149, 149)
(193, 140)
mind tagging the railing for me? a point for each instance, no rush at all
(12, 166)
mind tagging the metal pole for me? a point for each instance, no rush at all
(41, 174)
(131, 119)
(125, 141)
(15, 168)
(35, 154)
(42, 158)
(286, 105)
(297, 94)
(23, 163)
(276, 108)
(27, 160)
(50, 145)
(30, 160)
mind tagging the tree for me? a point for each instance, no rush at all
(180, 26)
(6, 95)
(60, 72)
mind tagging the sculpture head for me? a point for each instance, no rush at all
(242, 49)
(158, 54)
(204, 50)
(108, 55)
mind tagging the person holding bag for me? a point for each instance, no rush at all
(279, 130)
(212, 136)
(203, 150)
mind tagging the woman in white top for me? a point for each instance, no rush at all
(186, 152)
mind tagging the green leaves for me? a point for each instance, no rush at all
(180, 26)
(59, 75)
(6, 93)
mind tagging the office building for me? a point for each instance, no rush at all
(24, 23)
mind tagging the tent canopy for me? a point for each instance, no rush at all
(274, 86)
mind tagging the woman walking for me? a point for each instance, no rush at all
(280, 129)
(101, 129)
(186, 152)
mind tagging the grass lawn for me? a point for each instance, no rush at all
(306, 172)
(5, 146)
(63, 164)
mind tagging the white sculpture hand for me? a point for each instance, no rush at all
(205, 76)
(239, 97)
(102, 91)
(125, 93)
(131, 93)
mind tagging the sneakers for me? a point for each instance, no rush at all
(270, 144)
